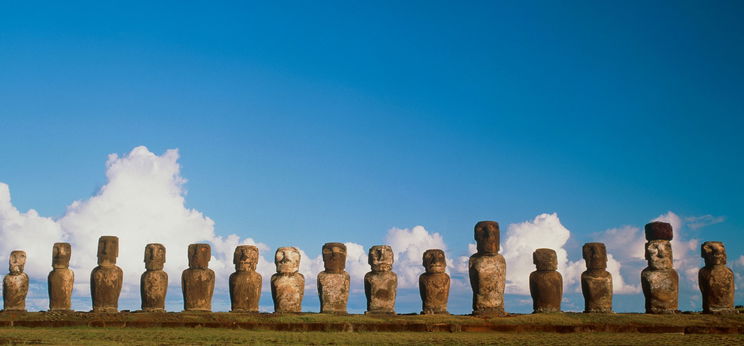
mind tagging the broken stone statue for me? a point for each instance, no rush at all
(380, 284)
(716, 281)
(659, 280)
(546, 283)
(245, 282)
(154, 281)
(15, 284)
(106, 279)
(596, 281)
(287, 285)
(197, 282)
(61, 278)
(487, 271)
(434, 284)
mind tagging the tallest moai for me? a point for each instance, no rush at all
(659, 280)
(487, 271)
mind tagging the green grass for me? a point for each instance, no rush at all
(205, 336)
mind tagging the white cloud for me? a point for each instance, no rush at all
(740, 261)
(409, 246)
(356, 265)
(619, 286)
(522, 239)
(29, 232)
(572, 276)
(142, 202)
(697, 222)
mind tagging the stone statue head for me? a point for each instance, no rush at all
(381, 258)
(61, 253)
(17, 261)
(487, 237)
(658, 230)
(154, 256)
(287, 260)
(108, 250)
(245, 258)
(595, 255)
(434, 261)
(334, 257)
(659, 254)
(199, 256)
(545, 259)
(713, 252)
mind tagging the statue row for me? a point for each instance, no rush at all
(487, 271)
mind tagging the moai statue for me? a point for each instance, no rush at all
(381, 284)
(434, 284)
(106, 279)
(333, 282)
(154, 281)
(245, 282)
(287, 285)
(659, 280)
(487, 271)
(596, 281)
(197, 282)
(546, 283)
(716, 281)
(61, 278)
(15, 284)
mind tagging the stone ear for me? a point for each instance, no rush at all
(192, 250)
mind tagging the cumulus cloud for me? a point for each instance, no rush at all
(409, 246)
(142, 202)
(546, 231)
(26, 231)
(522, 239)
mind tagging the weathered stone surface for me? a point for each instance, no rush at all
(434, 284)
(658, 230)
(197, 282)
(106, 279)
(61, 279)
(287, 285)
(660, 282)
(380, 284)
(546, 284)
(716, 281)
(333, 282)
(245, 282)
(15, 284)
(487, 271)
(596, 281)
(154, 281)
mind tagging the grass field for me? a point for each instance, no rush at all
(206, 336)
(226, 328)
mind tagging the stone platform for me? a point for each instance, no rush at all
(686, 323)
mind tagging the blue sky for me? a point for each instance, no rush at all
(301, 123)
